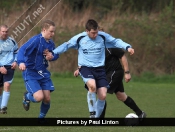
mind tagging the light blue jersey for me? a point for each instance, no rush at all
(8, 50)
(91, 52)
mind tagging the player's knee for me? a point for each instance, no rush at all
(92, 89)
(46, 99)
(39, 98)
(102, 96)
(121, 96)
(6, 86)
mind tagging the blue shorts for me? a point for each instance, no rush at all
(37, 80)
(97, 73)
(7, 77)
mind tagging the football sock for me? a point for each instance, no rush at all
(91, 100)
(5, 99)
(99, 107)
(44, 109)
(104, 111)
(29, 96)
(130, 103)
(0, 100)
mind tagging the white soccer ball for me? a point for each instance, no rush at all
(131, 119)
(131, 115)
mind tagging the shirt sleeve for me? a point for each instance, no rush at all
(112, 42)
(72, 43)
(25, 50)
(15, 51)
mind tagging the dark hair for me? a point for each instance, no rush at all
(46, 24)
(91, 24)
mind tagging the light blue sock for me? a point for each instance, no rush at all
(44, 109)
(29, 96)
(0, 100)
(5, 99)
(91, 100)
(99, 107)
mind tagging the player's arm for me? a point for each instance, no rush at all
(23, 52)
(112, 42)
(14, 64)
(124, 62)
(76, 72)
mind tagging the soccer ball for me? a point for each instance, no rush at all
(131, 115)
(131, 119)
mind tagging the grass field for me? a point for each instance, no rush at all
(69, 100)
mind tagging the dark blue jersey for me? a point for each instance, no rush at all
(31, 53)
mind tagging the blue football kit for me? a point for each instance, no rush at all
(31, 53)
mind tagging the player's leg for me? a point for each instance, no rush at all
(47, 88)
(104, 111)
(88, 78)
(5, 98)
(45, 104)
(100, 104)
(127, 100)
(91, 97)
(101, 84)
(7, 79)
(130, 103)
(1, 88)
(33, 93)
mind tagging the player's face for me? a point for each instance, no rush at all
(48, 33)
(3, 33)
(92, 33)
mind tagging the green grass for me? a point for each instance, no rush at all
(69, 100)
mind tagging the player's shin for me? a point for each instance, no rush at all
(99, 107)
(44, 109)
(91, 100)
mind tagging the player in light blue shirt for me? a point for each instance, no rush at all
(8, 50)
(91, 57)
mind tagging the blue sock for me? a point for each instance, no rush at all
(44, 109)
(0, 100)
(99, 107)
(5, 99)
(91, 100)
(29, 96)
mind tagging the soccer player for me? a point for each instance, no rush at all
(91, 56)
(32, 62)
(8, 50)
(115, 71)
(116, 66)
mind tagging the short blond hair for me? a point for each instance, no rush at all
(46, 24)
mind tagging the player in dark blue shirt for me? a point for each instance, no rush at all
(33, 63)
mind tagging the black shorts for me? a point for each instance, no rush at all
(7, 77)
(115, 79)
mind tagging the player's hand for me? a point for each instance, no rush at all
(3, 70)
(48, 55)
(76, 73)
(14, 64)
(131, 51)
(22, 66)
(127, 77)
